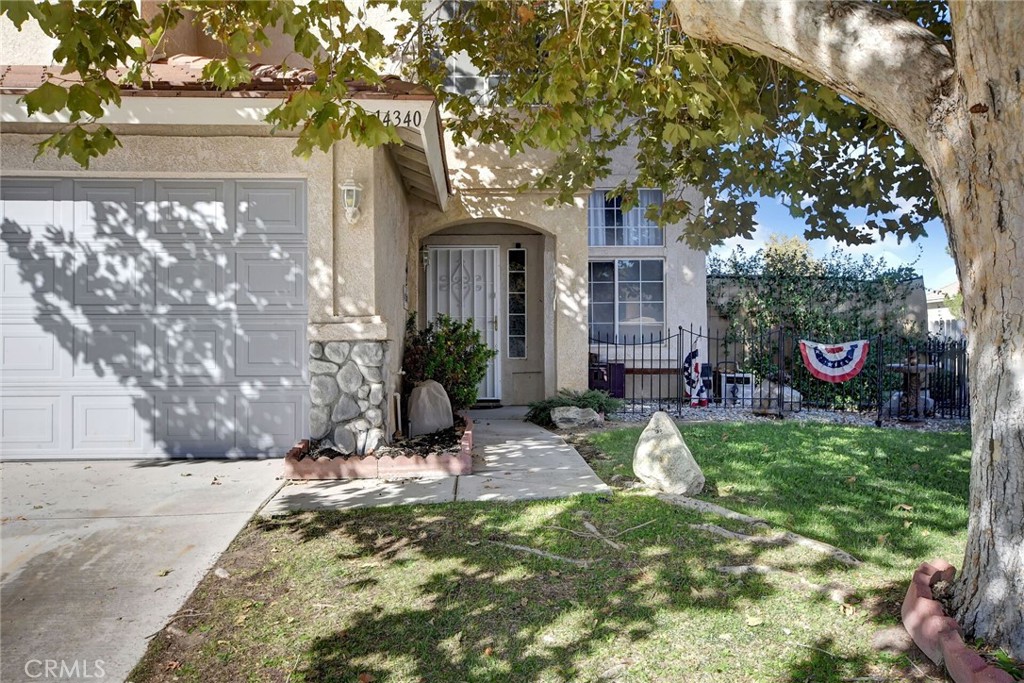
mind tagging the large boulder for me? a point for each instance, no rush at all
(767, 397)
(430, 409)
(663, 461)
(571, 417)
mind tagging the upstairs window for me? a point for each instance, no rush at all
(610, 226)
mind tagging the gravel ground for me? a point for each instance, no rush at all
(642, 413)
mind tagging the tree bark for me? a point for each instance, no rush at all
(966, 118)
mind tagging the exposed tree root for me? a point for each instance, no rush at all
(832, 591)
(704, 506)
(784, 538)
(542, 553)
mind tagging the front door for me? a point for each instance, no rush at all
(462, 284)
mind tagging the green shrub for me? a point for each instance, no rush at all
(599, 401)
(451, 353)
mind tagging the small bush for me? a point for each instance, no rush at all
(599, 401)
(451, 353)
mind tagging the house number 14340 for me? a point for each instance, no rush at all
(400, 118)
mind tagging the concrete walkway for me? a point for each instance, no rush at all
(512, 460)
(99, 555)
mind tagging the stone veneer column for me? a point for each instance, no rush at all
(347, 388)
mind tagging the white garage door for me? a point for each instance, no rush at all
(152, 317)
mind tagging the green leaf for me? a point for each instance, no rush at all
(47, 98)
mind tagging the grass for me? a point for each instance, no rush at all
(427, 594)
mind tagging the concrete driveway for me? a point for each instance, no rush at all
(96, 556)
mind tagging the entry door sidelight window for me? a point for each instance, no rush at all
(516, 303)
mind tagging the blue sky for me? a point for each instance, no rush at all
(927, 255)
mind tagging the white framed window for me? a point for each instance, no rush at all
(610, 226)
(516, 303)
(627, 299)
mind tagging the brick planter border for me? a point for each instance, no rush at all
(937, 634)
(387, 467)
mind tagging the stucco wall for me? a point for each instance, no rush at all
(391, 246)
(28, 46)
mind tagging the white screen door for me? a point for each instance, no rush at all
(462, 284)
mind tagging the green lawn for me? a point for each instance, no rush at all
(428, 593)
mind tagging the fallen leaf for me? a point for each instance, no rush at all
(172, 666)
(366, 677)
(925, 532)
(240, 619)
(472, 542)
(754, 621)
(725, 636)
(883, 539)
(915, 467)
(164, 572)
(907, 523)
(185, 474)
(850, 480)
(488, 651)
(848, 610)
(215, 482)
(904, 507)
(524, 602)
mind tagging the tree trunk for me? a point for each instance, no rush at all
(965, 117)
(977, 163)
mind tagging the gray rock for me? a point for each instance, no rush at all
(359, 425)
(320, 422)
(364, 405)
(430, 409)
(322, 367)
(323, 390)
(376, 394)
(344, 440)
(364, 391)
(663, 461)
(367, 442)
(375, 417)
(567, 417)
(345, 409)
(792, 401)
(337, 351)
(368, 353)
(349, 378)
(925, 404)
(316, 350)
(768, 395)
(371, 374)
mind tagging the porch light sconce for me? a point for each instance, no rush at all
(351, 193)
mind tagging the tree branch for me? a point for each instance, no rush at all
(887, 64)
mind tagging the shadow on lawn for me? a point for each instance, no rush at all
(861, 489)
(479, 611)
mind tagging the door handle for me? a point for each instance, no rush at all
(494, 321)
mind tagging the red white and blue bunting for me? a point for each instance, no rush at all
(834, 362)
(695, 388)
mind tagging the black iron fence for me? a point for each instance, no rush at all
(898, 377)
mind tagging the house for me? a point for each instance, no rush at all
(941, 321)
(201, 291)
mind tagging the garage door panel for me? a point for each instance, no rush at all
(191, 281)
(30, 422)
(195, 423)
(271, 350)
(190, 209)
(275, 208)
(110, 211)
(104, 422)
(29, 352)
(193, 348)
(277, 280)
(31, 276)
(111, 278)
(32, 207)
(270, 422)
(114, 349)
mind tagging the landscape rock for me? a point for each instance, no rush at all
(925, 404)
(767, 395)
(568, 417)
(663, 461)
(323, 390)
(430, 409)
